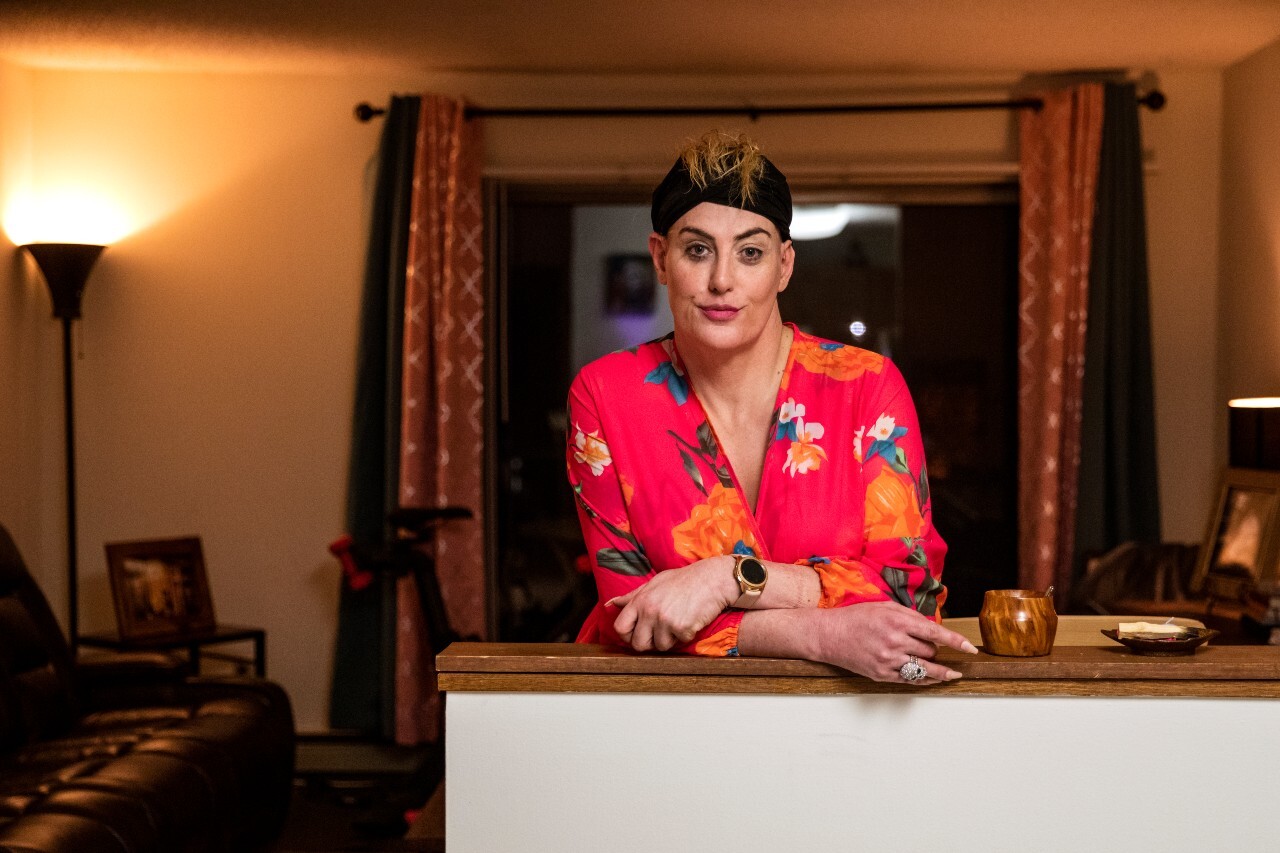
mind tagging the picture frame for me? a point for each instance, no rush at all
(630, 284)
(160, 588)
(1239, 551)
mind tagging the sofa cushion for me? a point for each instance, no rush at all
(53, 833)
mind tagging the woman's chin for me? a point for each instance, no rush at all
(719, 334)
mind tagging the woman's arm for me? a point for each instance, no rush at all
(873, 639)
(672, 606)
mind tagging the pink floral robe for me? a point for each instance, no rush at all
(843, 489)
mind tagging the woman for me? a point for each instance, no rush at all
(745, 488)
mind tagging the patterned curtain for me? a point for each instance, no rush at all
(442, 425)
(1060, 146)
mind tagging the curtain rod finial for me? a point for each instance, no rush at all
(1153, 100)
(365, 111)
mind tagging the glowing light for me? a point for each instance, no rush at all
(818, 223)
(1255, 403)
(857, 328)
(64, 216)
(822, 221)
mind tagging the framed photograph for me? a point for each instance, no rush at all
(629, 284)
(1239, 552)
(160, 587)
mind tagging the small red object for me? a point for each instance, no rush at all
(583, 564)
(357, 578)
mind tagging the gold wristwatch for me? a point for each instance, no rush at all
(751, 576)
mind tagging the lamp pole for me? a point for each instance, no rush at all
(66, 268)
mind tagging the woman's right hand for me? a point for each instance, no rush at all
(877, 637)
(671, 607)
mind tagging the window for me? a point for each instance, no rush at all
(933, 285)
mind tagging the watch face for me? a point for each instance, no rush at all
(752, 571)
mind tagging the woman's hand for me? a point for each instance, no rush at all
(876, 638)
(675, 605)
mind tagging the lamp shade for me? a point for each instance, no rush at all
(1254, 433)
(66, 268)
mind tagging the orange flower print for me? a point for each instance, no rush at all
(891, 509)
(591, 450)
(837, 360)
(804, 455)
(714, 527)
(857, 443)
(628, 490)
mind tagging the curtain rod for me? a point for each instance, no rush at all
(1154, 100)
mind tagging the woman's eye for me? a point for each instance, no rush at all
(752, 253)
(698, 250)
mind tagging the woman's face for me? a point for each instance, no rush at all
(723, 269)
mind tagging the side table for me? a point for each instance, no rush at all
(193, 644)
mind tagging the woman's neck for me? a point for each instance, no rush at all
(732, 383)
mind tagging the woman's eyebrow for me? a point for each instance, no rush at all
(698, 232)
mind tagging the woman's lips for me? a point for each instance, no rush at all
(719, 313)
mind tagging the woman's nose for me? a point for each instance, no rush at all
(721, 275)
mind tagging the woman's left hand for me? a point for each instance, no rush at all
(673, 606)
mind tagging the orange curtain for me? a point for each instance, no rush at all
(1060, 145)
(442, 426)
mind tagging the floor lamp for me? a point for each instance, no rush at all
(66, 268)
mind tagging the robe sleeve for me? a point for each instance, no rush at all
(618, 559)
(902, 553)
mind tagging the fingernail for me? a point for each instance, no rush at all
(969, 647)
(952, 675)
(610, 602)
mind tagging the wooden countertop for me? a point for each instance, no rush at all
(1223, 671)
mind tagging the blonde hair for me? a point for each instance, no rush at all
(719, 155)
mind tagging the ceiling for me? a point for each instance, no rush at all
(872, 37)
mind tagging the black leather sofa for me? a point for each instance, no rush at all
(127, 755)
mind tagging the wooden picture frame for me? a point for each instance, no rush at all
(160, 587)
(1240, 548)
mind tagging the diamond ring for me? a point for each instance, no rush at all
(912, 671)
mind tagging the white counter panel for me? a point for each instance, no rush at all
(653, 772)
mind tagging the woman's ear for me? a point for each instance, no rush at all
(658, 251)
(788, 265)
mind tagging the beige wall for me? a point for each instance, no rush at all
(1182, 209)
(214, 382)
(1249, 323)
(214, 386)
(31, 457)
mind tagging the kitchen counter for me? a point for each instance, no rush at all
(1230, 671)
(567, 747)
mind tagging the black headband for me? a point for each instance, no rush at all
(678, 194)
